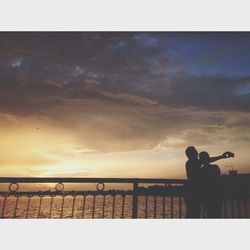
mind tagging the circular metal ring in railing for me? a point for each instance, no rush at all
(59, 187)
(100, 186)
(13, 187)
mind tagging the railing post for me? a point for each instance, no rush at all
(134, 205)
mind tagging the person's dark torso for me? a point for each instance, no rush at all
(193, 186)
(193, 169)
(211, 180)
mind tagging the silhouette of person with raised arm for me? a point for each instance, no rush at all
(211, 185)
(193, 188)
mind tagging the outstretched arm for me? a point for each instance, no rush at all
(216, 158)
(223, 156)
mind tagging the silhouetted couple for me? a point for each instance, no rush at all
(203, 187)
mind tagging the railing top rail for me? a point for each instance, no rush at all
(87, 180)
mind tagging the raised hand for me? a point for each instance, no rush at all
(228, 154)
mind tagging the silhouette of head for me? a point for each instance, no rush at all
(191, 153)
(204, 157)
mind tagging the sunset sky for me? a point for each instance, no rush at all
(122, 104)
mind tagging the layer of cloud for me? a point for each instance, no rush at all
(125, 91)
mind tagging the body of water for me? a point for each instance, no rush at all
(88, 207)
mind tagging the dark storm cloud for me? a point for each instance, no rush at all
(206, 92)
(133, 63)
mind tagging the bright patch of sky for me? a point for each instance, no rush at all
(16, 63)
(244, 91)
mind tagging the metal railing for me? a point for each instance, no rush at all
(140, 198)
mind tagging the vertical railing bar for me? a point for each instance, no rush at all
(62, 206)
(113, 207)
(93, 210)
(51, 206)
(83, 205)
(245, 205)
(180, 207)
(225, 208)
(134, 205)
(123, 197)
(146, 207)
(103, 205)
(203, 211)
(4, 201)
(164, 206)
(40, 204)
(239, 210)
(28, 205)
(232, 208)
(73, 206)
(154, 206)
(172, 206)
(17, 199)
